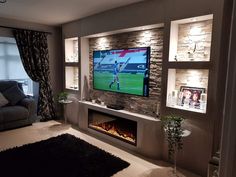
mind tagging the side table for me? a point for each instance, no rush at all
(65, 103)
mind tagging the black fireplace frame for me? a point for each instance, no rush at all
(109, 134)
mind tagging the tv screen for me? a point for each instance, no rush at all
(123, 70)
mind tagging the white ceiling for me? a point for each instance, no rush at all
(55, 12)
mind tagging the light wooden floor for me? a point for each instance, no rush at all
(44, 130)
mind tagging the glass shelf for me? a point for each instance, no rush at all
(72, 78)
(71, 50)
(187, 89)
(190, 39)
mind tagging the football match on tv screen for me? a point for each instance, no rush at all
(123, 70)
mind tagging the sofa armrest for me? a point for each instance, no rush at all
(29, 104)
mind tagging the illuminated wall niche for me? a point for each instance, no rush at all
(71, 64)
(190, 39)
(72, 77)
(71, 50)
(187, 89)
(188, 63)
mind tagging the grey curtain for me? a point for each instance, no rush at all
(33, 50)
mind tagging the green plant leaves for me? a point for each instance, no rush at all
(62, 96)
(172, 125)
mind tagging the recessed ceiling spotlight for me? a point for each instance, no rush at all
(3, 1)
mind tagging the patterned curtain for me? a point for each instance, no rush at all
(33, 50)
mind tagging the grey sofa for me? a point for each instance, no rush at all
(21, 114)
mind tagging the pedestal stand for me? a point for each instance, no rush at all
(65, 103)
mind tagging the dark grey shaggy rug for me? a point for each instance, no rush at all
(61, 156)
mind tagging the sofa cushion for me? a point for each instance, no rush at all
(6, 84)
(3, 100)
(14, 94)
(13, 113)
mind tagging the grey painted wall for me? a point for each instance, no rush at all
(54, 45)
(228, 143)
(199, 146)
(143, 13)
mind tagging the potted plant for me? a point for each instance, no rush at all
(172, 125)
(62, 96)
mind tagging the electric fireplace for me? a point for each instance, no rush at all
(120, 128)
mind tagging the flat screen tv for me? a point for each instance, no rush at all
(122, 70)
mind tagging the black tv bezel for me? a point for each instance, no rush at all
(147, 64)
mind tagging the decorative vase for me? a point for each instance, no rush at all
(85, 95)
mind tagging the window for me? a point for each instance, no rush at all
(11, 67)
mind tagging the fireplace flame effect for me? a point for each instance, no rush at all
(115, 131)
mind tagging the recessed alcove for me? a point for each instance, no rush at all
(187, 89)
(71, 77)
(143, 36)
(71, 50)
(190, 39)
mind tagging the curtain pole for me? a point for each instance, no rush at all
(1, 26)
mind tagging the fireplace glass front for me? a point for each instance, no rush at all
(120, 128)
